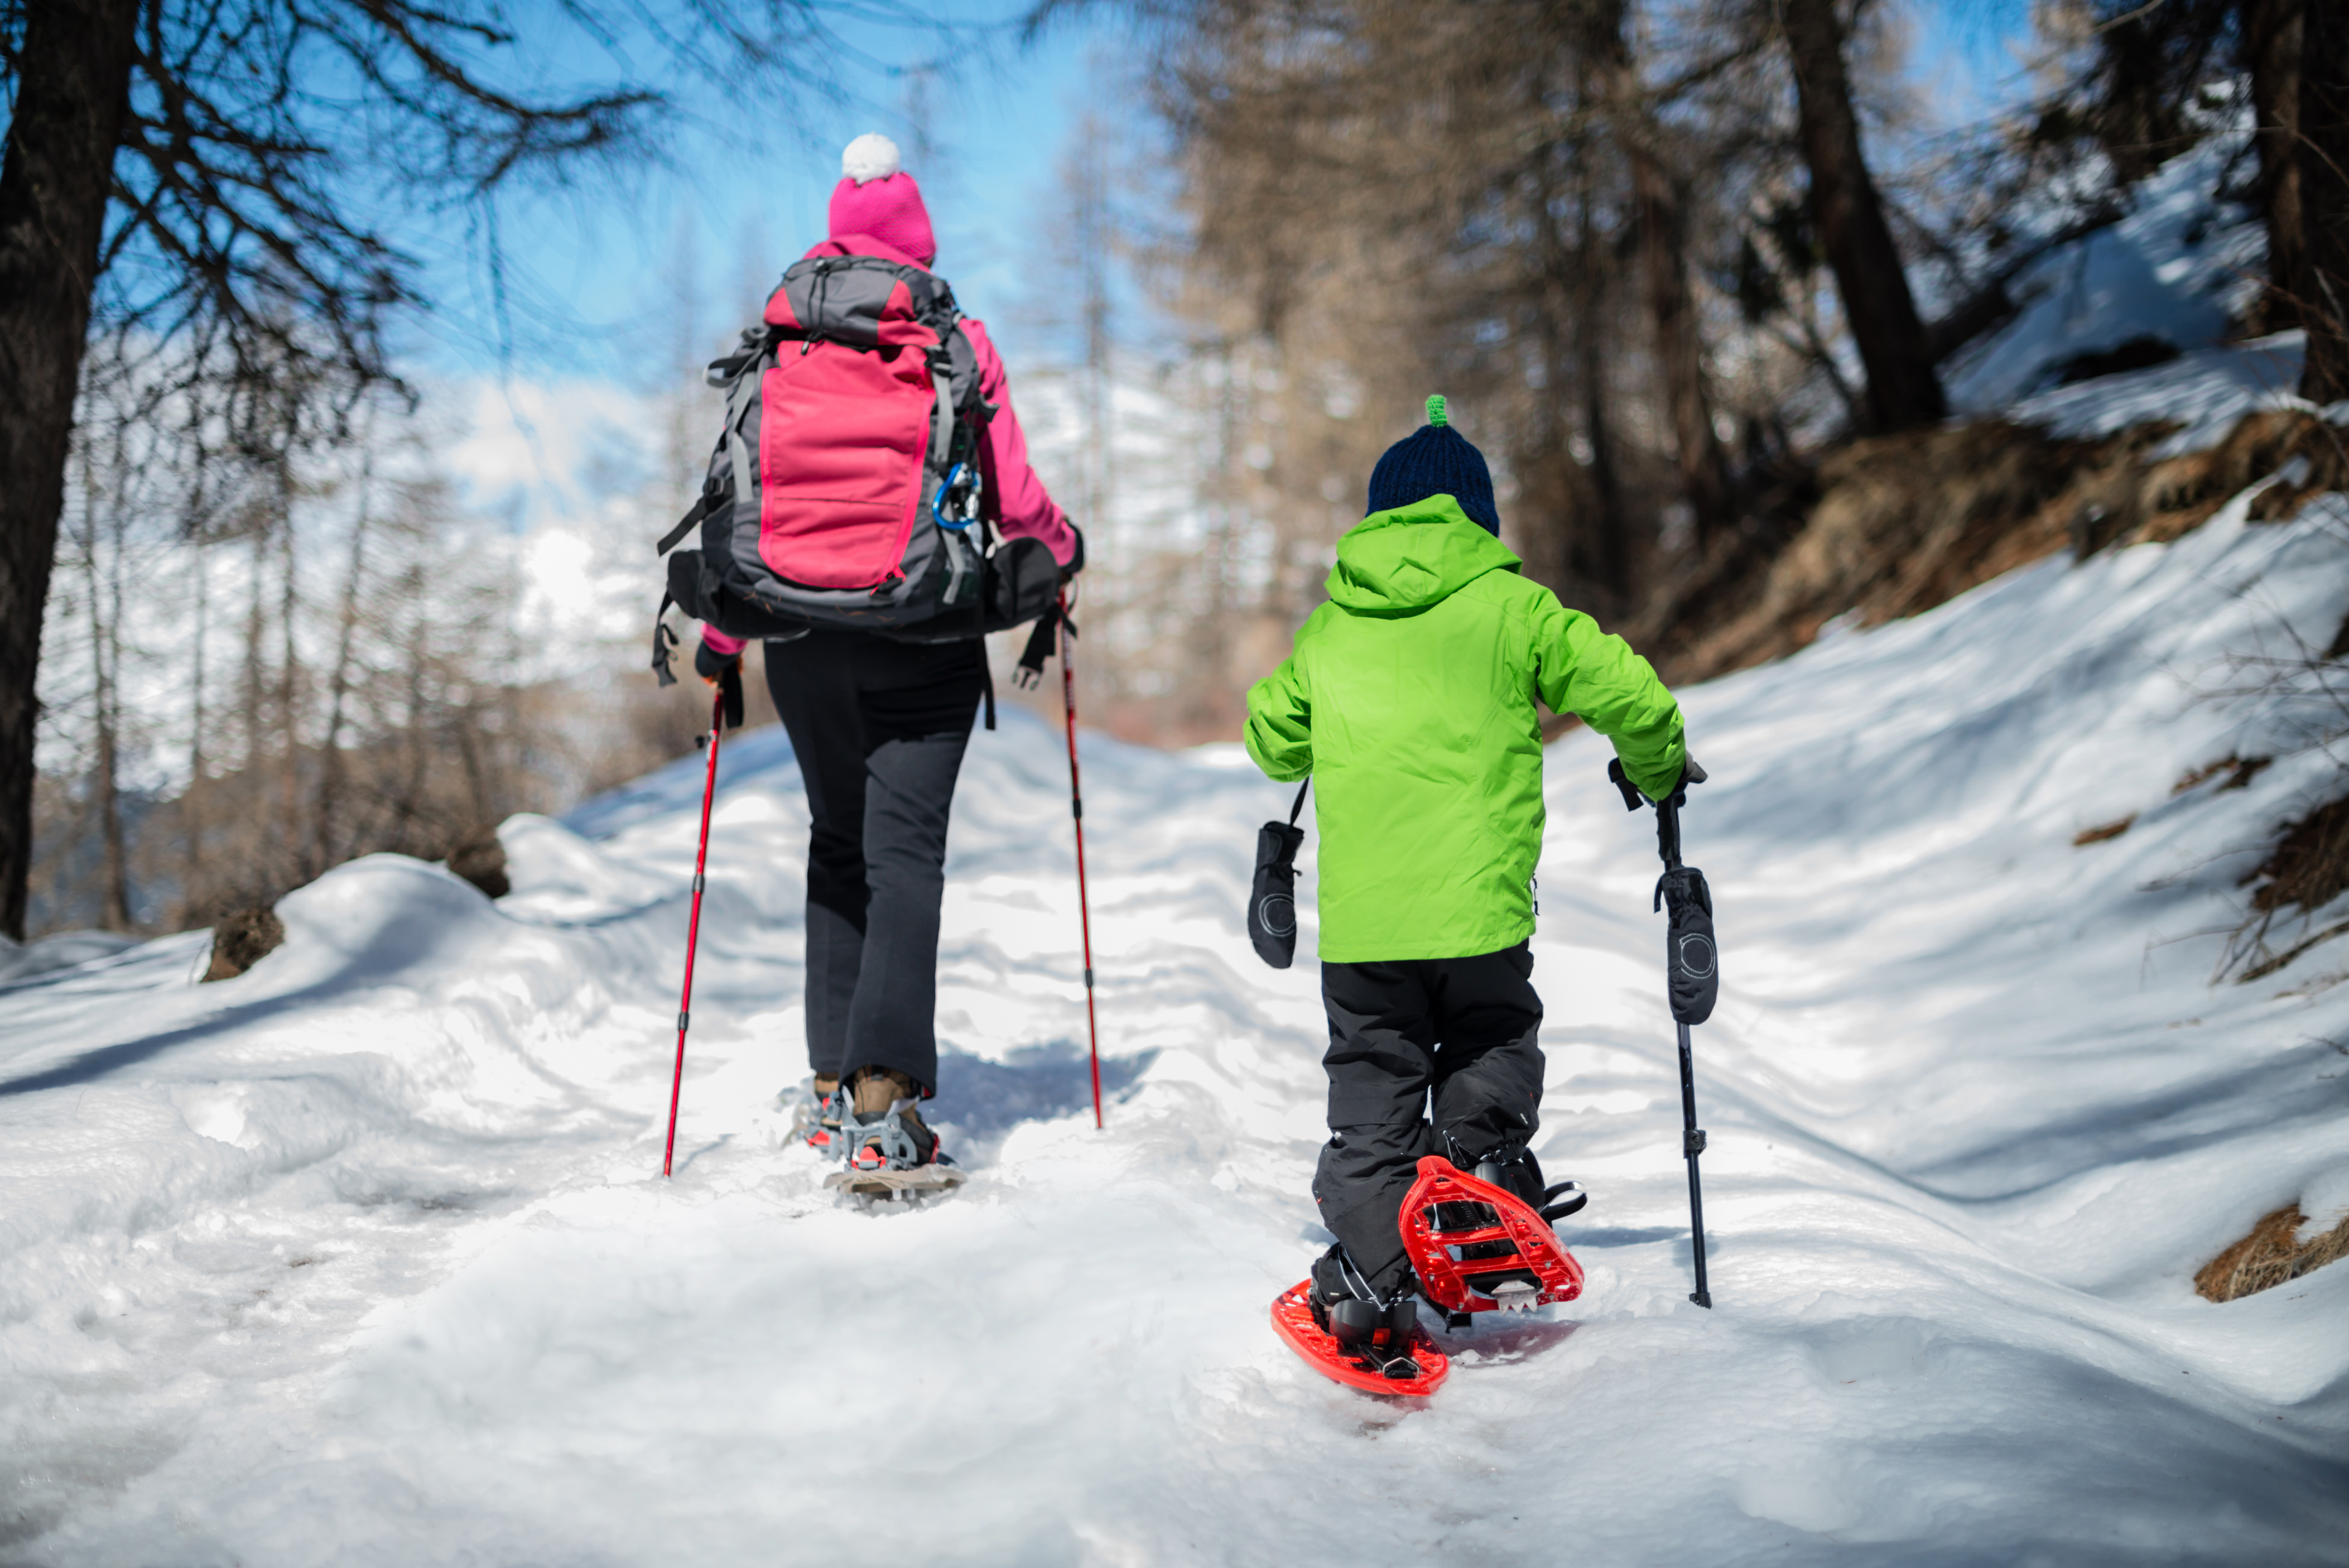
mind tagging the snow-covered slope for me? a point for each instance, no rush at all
(2181, 267)
(363, 1257)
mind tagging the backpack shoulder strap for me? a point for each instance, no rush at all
(728, 376)
(954, 347)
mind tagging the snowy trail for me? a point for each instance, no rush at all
(363, 1257)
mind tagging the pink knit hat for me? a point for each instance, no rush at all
(875, 197)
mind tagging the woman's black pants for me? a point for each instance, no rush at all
(879, 729)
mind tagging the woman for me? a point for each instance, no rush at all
(879, 727)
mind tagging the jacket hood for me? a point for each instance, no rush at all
(1412, 556)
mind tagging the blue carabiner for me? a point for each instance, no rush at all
(938, 506)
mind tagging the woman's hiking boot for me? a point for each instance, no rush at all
(884, 1129)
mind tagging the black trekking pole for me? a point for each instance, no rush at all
(1693, 970)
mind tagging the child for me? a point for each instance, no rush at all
(1410, 699)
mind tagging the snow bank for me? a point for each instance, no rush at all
(20, 961)
(2204, 393)
(2181, 266)
(362, 1258)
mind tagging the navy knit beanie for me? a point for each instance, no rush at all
(1436, 460)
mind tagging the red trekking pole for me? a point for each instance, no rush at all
(1077, 812)
(693, 930)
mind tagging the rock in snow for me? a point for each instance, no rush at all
(364, 1257)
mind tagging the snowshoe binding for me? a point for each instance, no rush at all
(1378, 1349)
(815, 1117)
(1477, 1246)
(889, 1150)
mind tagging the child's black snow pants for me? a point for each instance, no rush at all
(1466, 1029)
(879, 729)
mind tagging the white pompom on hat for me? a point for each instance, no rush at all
(870, 157)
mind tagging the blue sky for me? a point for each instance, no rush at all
(1966, 55)
(744, 189)
(743, 193)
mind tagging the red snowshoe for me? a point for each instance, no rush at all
(1477, 1247)
(1383, 1361)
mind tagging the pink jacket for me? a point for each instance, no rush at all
(1014, 499)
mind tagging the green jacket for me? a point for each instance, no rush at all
(1410, 698)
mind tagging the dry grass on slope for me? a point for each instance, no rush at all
(1907, 521)
(2271, 1256)
(2306, 871)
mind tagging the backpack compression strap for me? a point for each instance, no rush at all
(663, 639)
(1039, 649)
(700, 509)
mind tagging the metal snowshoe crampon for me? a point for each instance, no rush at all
(1478, 1247)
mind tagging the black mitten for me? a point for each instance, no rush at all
(1690, 960)
(1272, 897)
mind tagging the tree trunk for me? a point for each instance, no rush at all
(1903, 389)
(1612, 557)
(1679, 346)
(194, 800)
(73, 90)
(330, 760)
(2325, 197)
(2270, 52)
(256, 632)
(1663, 266)
(408, 809)
(1088, 177)
(294, 844)
(105, 698)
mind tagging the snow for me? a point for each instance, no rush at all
(2324, 1204)
(363, 1257)
(2180, 267)
(2204, 393)
(20, 961)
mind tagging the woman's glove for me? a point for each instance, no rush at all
(711, 665)
(723, 671)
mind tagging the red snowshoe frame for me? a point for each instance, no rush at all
(1292, 1319)
(1458, 1285)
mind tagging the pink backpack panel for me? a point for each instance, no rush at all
(843, 435)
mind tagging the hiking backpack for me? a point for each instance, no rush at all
(844, 489)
